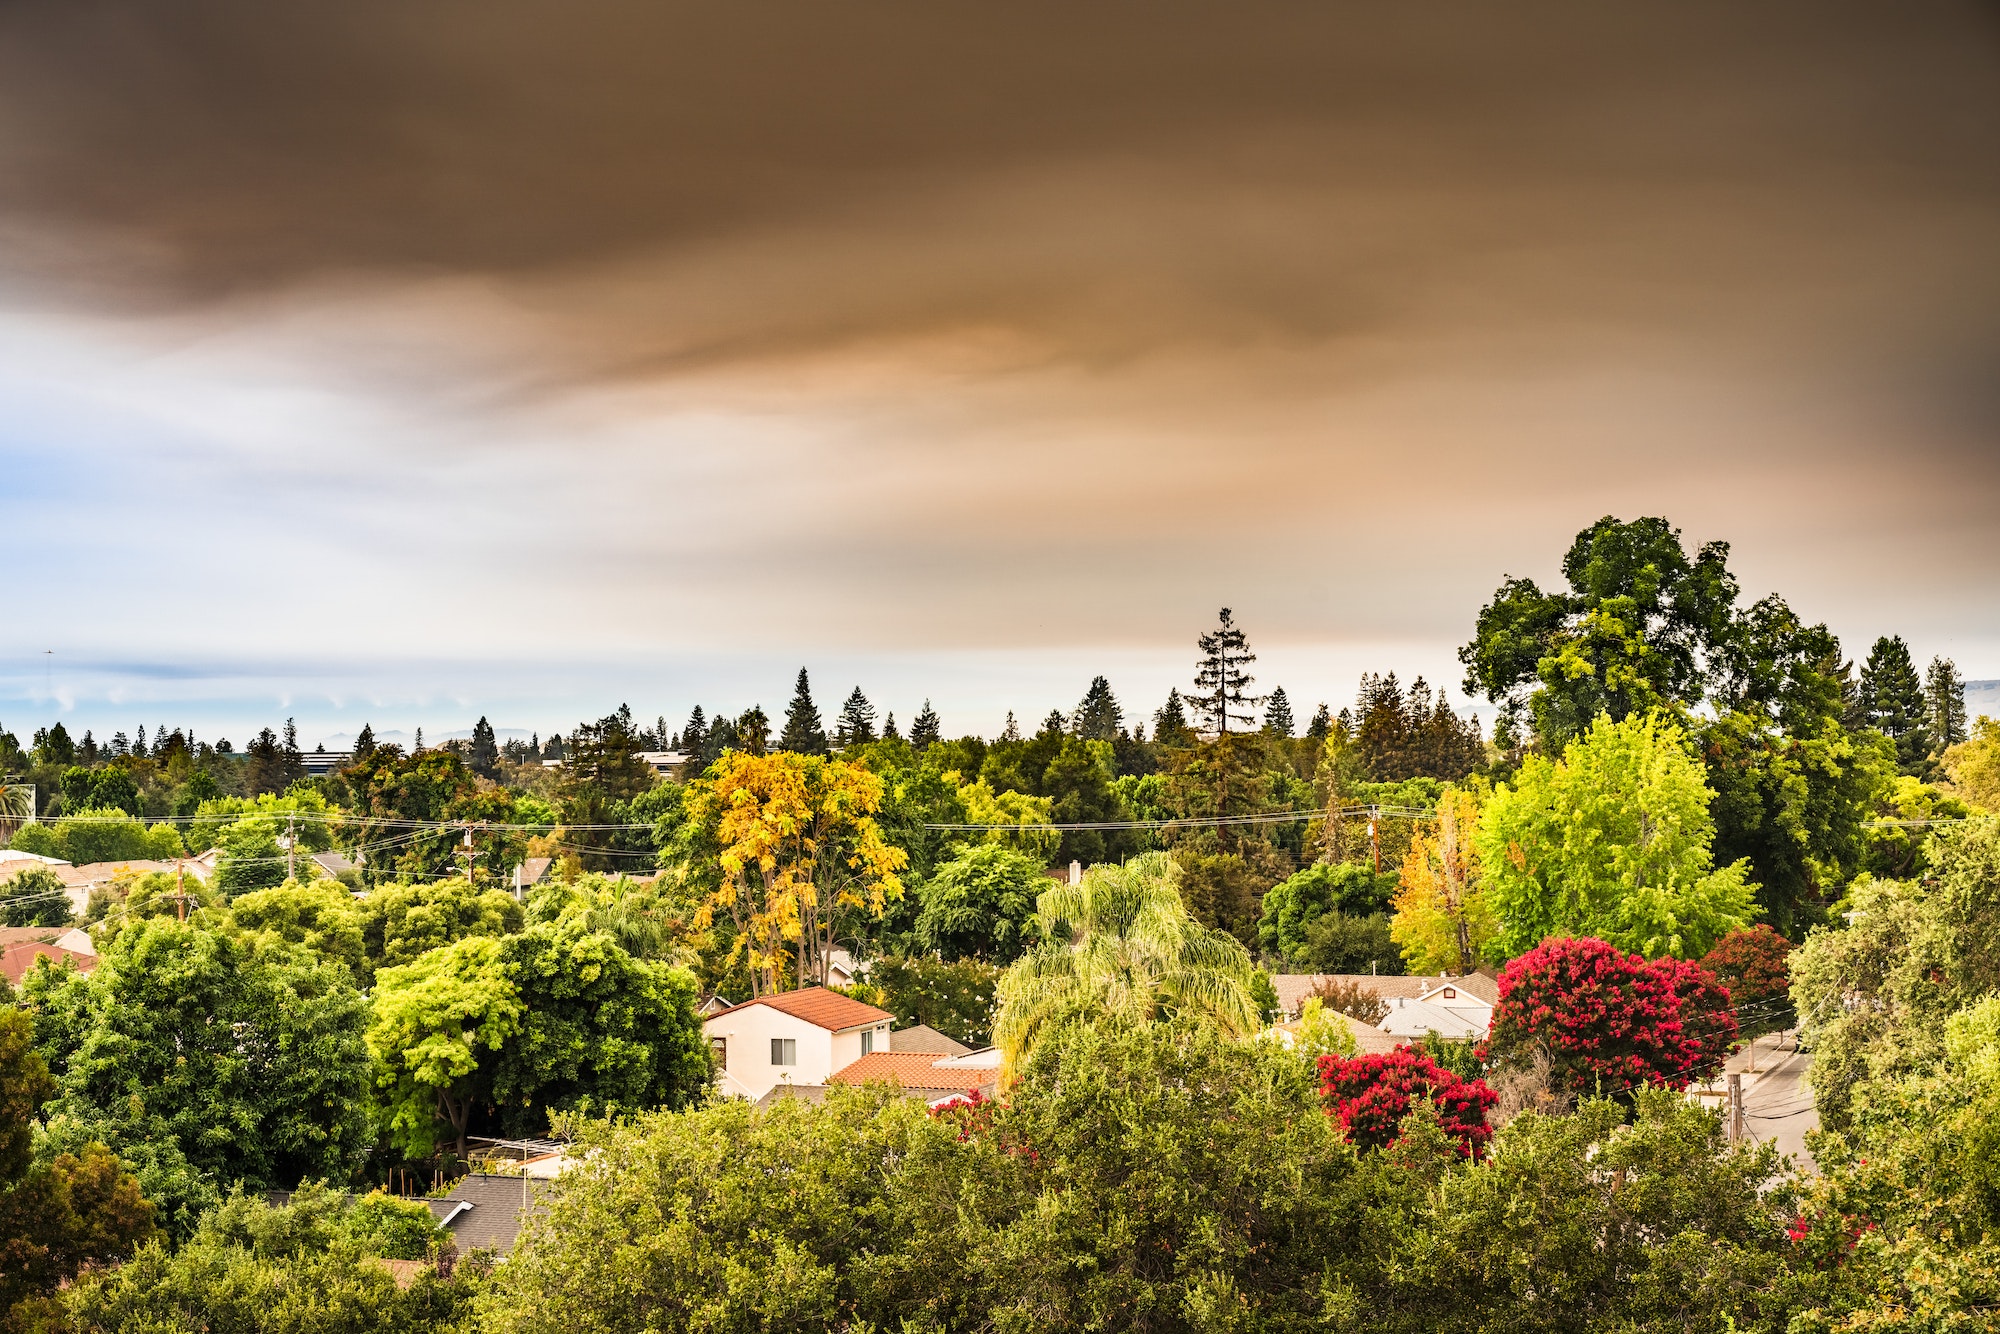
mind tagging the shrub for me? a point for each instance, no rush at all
(1610, 1022)
(34, 897)
(1751, 964)
(1370, 1096)
(1351, 998)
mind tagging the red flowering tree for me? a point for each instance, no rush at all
(1610, 1021)
(1372, 1094)
(1753, 965)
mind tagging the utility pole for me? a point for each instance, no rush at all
(466, 852)
(1735, 1108)
(180, 887)
(291, 843)
(1374, 835)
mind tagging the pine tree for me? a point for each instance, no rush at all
(926, 731)
(856, 725)
(1893, 695)
(753, 731)
(295, 762)
(1278, 714)
(1170, 724)
(694, 737)
(1097, 717)
(1219, 676)
(889, 732)
(1012, 731)
(804, 733)
(1321, 726)
(1054, 723)
(483, 755)
(1944, 690)
(418, 743)
(139, 742)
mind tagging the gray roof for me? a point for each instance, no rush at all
(532, 871)
(1293, 988)
(922, 1037)
(494, 1217)
(787, 1092)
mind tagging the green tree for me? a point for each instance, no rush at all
(1944, 698)
(955, 997)
(1170, 724)
(1097, 716)
(1292, 905)
(308, 1267)
(482, 756)
(1793, 805)
(980, 904)
(250, 1059)
(926, 731)
(1892, 695)
(109, 835)
(1078, 783)
(1220, 681)
(1612, 841)
(34, 897)
(856, 725)
(402, 922)
(1121, 946)
(1278, 715)
(1597, 1221)
(804, 734)
(320, 916)
(599, 1030)
(59, 1213)
(1641, 626)
(437, 1023)
(251, 858)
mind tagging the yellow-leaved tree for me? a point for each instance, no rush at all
(1443, 921)
(800, 851)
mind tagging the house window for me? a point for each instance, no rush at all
(720, 1048)
(868, 1042)
(1450, 994)
(784, 1051)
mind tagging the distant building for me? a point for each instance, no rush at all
(794, 1037)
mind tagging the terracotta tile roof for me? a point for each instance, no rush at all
(821, 1008)
(16, 960)
(913, 1070)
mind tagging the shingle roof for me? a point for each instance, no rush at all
(26, 935)
(821, 1008)
(1293, 988)
(924, 1038)
(494, 1220)
(913, 1070)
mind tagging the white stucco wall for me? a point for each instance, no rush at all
(749, 1031)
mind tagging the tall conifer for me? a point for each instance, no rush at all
(926, 731)
(1221, 683)
(1278, 714)
(804, 733)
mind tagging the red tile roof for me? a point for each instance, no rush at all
(16, 960)
(821, 1008)
(913, 1070)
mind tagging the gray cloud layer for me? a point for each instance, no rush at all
(951, 324)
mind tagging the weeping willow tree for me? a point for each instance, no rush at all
(1121, 946)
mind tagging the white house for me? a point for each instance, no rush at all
(1475, 1006)
(794, 1037)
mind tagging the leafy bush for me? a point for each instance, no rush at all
(1293, 905)
(394, 1228)
(980, 904)
(1370, 1096)
(954, 998)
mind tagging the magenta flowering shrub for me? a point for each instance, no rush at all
(1610, 1021)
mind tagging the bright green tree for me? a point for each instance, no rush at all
(319, 915)
(598, 1029)
(437, 1023)
(1097, 716)
(1612, 841)
(401, 922)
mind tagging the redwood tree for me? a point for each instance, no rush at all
(1372, 1094)
(1610, 1021)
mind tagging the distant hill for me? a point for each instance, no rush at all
(1982, 697)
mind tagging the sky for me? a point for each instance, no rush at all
(404, 363)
